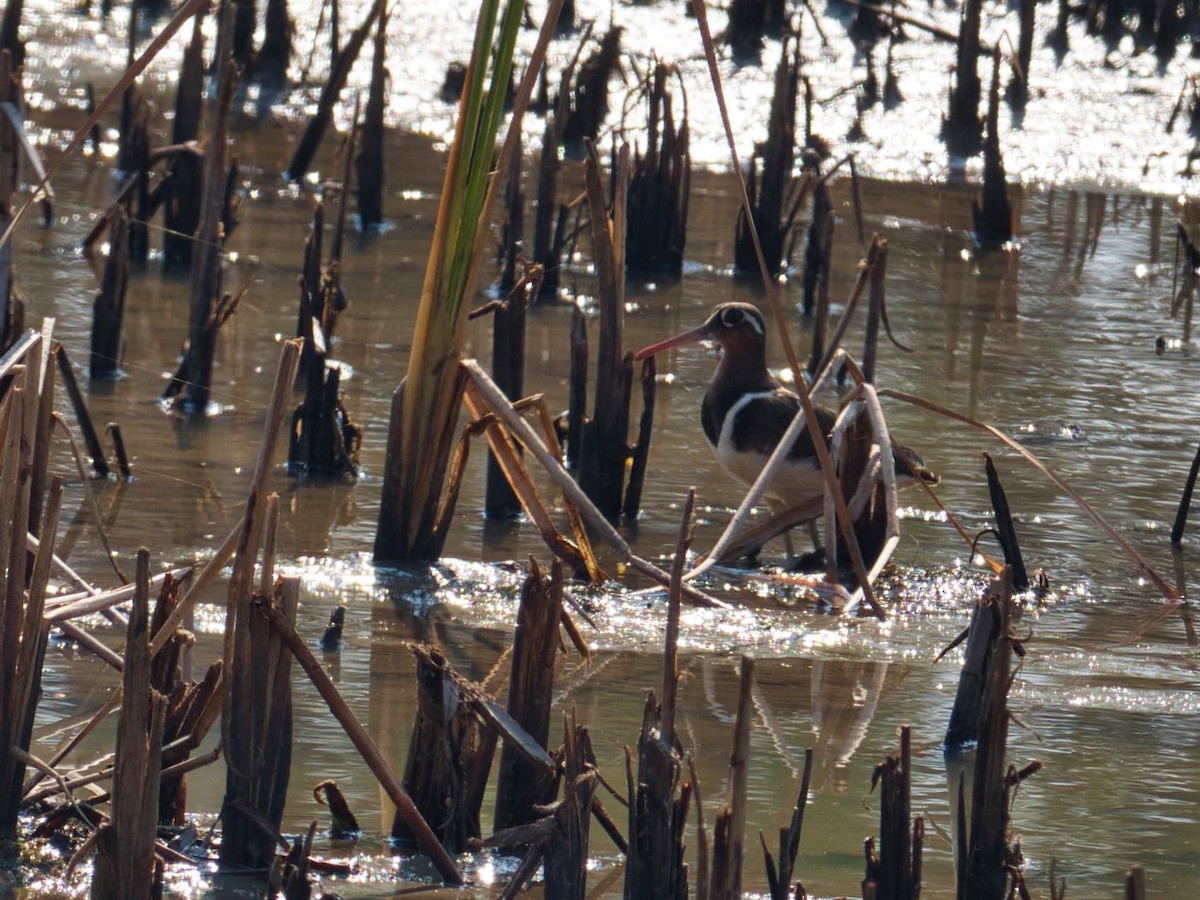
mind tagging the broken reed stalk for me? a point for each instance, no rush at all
(605, 446)
(1185, 501)
(370, 163)
(550, 221)
(961, 128)
(640, 453)
(18, 415)
(660, 185)
(183, 186)
(508, 338)
(521, 785)
(125, 865)
(271, 63)
(108, 309)
(845, 522)
(817, 251)
(339, 72)
(993, 216)
(1006, 531)
(43, 432)
(763, 221)
(258, 745)
(575, 553)
(450, 753)
(521, 430)
(12, 308)
(566, 850)
(238, 640)
(730, 827)
(421, 430)
(589, 96)
(821, 309)
(83, 418)
(206, 254)
(875, 306)
(1164, 587)
(21, 667)
(989, 859)
(895, 874)
(658, 807)
(983, 635)
(323, 441)
(366, 747)
(780, 880)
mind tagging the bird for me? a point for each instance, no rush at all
(746, 411)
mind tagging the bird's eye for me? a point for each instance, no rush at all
(731, 317)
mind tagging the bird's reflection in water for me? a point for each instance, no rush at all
(845, 696)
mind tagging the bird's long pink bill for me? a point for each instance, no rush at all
(688, 337)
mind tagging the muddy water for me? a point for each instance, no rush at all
(1054, 344)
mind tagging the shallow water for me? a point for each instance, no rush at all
(1054, 344)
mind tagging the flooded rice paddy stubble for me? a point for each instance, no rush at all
(1054, 344)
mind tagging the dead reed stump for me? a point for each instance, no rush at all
(895, 873)
(589, 99)
(658, 190)
(768, 185)
(183, 185)
(989, 866)
(339, 73)
(508, 337)
(750, 21)
(108, 309)
(12, 309)
(1006, 531)
(258, 749)
(522, 784)
(371, 167)
(10, 27)
(206, 306)
(659, 801)
(729, 831)
(560, 838)
(125, 844)
(993, 214)
(962, 128)
(550, 217)
(23, 631)
(271, 64)
(566, 850)
(449, 756)
(20, 635)
(605, 447)
(323, 441)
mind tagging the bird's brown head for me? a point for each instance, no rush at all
(738, 327)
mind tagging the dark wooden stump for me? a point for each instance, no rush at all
(259, 743)
(521, 784)
(449, 757)
(125, 845)
(108, 310)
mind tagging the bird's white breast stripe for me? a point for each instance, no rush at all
(798, 480)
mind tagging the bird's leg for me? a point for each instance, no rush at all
(815, 534)
(789, 547)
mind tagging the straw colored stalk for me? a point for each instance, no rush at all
(425, 411)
